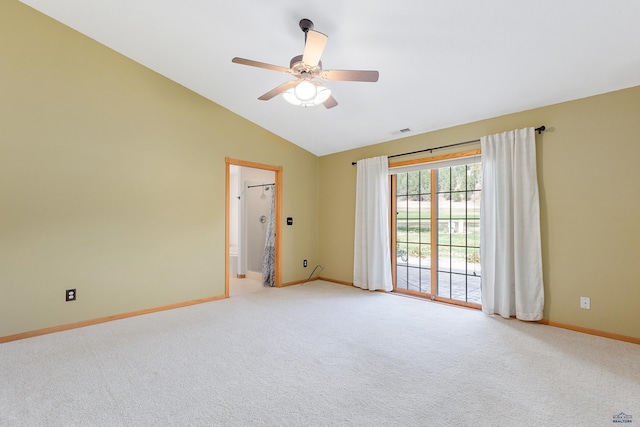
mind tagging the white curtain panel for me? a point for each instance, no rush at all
(372, 255)
(511, 257)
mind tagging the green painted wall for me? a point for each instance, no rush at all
(112, 181)
(588, 178)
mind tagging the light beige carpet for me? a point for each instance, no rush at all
(318, 354)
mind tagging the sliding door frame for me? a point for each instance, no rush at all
(433, 223)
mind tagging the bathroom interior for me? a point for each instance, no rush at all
(250, 192)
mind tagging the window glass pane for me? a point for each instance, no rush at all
(473, 204)
(459, 287)
(401, 219)
(473, 290)
(444, 285)
(401, 207)
(444, 237)
(444, 258)
(444, 179)
(401, 253)
(413, 253)
(425, 231)
(425, 182)
(425, 256)
(425, 207)
(413, 279)
(473, 261)
(401, 184)
(412, 217)
(401, 230)
(474, 176)
(473, 233)
(425, 220)
(401, 277)
(425, 280)
(458, 199)
(413, 230)
(413, 183)
(444, 206)
(459, 259)
(459, 178)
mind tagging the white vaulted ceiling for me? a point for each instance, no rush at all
(441, 62)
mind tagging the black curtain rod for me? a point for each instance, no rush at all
(260, 185)
(538, 129)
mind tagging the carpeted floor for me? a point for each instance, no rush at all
(318, 354)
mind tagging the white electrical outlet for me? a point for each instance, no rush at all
(585, 302)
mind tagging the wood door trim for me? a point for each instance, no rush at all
(436, 158)
(278, 220)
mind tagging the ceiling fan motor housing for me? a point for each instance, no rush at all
(299, 68)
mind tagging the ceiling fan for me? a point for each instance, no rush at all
(303, 91)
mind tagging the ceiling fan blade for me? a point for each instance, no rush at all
(330, 103)
(313, 48)
(259, 64)
(351, 75)
(278, 90)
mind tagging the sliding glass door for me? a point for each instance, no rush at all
(413, 231)
(437, 230)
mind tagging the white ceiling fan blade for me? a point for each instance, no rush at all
(351, 75)
(313, 48)
(259, 64)
(330, 103)
(278, 90)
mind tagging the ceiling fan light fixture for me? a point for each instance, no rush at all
(305, 91)
(322, 95)
(290, 97)
(307, 94)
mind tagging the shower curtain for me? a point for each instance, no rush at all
(269, 258)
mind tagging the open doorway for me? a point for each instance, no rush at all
(252, 214)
